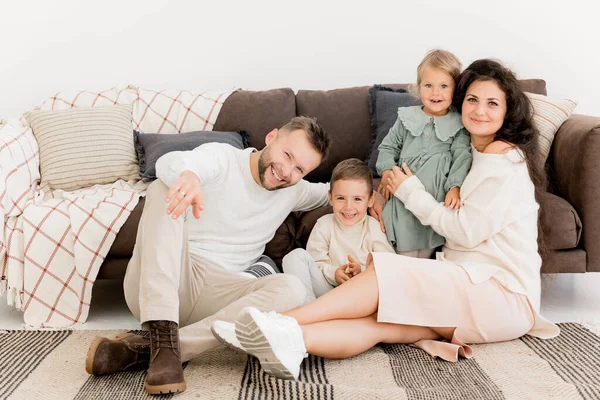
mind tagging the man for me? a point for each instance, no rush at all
(185, 271)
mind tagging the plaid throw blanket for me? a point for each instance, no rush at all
(53, 242)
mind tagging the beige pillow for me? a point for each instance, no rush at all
(548, 116)
(81, 147)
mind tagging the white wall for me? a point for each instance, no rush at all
(50, 46)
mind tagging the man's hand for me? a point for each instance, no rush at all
(340, 274)
(185, 192)
(453, 198)
(382, 188)
(353, 268)
(377, 210)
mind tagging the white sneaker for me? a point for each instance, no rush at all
(225, 332)
(274, 339)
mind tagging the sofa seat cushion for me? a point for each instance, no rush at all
(561, 224)
(560, 221)
(282, 243)
(122, 247)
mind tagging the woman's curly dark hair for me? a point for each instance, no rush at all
(518, 128)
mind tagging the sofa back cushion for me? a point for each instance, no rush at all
(537, 86)
(258, 113)
(344, 114)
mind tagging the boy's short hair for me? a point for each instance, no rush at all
(353, 169)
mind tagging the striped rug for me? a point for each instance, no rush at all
(50, 365)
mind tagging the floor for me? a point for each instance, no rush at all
(565, 298)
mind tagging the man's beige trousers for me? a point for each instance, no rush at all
(165, 282)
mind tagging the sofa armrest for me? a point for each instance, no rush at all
(576, 168)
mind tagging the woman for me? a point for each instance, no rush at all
(483, 287)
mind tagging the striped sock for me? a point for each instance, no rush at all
(264, 266)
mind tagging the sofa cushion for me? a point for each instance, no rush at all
(537, 86)
(151, 146)
(384, 102)
(81, 147)
(560, 222)
(282, 243)
(256, 112)
(344, 114)
(125, 239)
(548, 116)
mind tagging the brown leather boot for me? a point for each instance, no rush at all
(165, 374)
(107, 356)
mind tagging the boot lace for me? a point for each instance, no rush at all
(163, 336)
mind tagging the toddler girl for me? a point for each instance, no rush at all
(431, 140)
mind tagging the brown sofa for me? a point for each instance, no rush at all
(573, 200)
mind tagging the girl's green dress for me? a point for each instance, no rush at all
(438, 151)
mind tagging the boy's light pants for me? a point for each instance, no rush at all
(165, 282)
(299, 263)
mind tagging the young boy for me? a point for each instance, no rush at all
(339, 244)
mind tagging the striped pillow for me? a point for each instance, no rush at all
(548, 116)
(81, 147)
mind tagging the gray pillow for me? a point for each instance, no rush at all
(383, 107)
(151, 146)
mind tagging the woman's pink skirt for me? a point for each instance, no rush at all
(434, 293)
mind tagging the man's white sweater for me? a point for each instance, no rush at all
(240, 217)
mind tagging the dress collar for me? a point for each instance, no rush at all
(445, 127)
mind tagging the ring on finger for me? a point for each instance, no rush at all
(182, 192)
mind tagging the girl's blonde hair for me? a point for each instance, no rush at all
(439, 59)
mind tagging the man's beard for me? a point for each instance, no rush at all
(264, 163)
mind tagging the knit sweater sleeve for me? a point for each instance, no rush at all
(208, 162)
(311, 195)
(484, 211)
(318, 246)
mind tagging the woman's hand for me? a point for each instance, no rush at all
(376, 211)
(397, 177)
